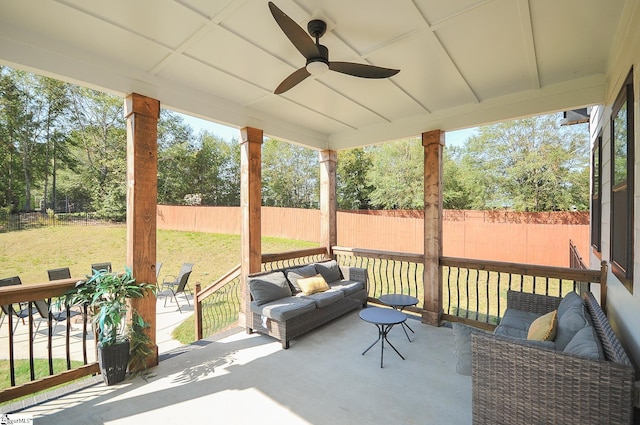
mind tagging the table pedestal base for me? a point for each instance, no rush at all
(383, 330)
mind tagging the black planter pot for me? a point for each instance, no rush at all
(113, 362)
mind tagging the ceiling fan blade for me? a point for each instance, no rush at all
(295, 33)
(292, 80)
(362, 70)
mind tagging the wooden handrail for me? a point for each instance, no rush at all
(279, 256)
(35, 291)
(586, 275)
(201, 294)
(228, 277)
(383, 255)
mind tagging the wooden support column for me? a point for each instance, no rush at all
(328, 203)
(142, 114)
(250, 204)
(433, 143)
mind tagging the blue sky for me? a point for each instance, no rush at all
(453, 138)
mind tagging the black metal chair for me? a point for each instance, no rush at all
(174, 285)
(101, 266)
(60, 273)
(9, 309)
(44, 309)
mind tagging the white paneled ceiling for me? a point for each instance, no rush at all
(462, 63)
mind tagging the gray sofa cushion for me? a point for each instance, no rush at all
(462, 337)
(323, 299)
(572, 320)
(585, 343)
(269, 287)
(300, 272)
(569, 300)
(511, 332)
(329, 270)
(349, 287)
(284, 308)
(518, 319)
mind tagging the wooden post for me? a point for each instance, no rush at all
(604, 269)
(197, 311)
(433, 142)
(250, 204)
(328, 202)
(142, 114)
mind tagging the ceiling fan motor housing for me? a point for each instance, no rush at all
(317, 28)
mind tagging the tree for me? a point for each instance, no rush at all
(531, 164)
(290, 175)
(215, 162)
(176, 159)
(353, 190)
(397, 175)
(100, 134)
(455, 193)
(55, 101)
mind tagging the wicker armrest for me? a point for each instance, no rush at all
(356, 274)
(534, 303)
(515, 383)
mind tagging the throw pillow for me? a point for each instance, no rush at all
(269, 287)
(462, 336)
(329, 270)
(544, 327)
(311, 285)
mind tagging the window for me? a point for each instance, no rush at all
(596, 190)
(622, 147)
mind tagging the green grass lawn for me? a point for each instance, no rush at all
(30, 253)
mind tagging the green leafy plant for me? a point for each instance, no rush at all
(140, 347)
(106, 294)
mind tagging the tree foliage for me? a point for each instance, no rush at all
(397, 175)
(531, 164)
(353, 189)
(63, 142)
(290, 175)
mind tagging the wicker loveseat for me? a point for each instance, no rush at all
(517, 382)
(283, 308)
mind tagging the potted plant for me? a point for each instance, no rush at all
(106, 293)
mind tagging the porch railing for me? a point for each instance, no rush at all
(66, 353)
(475, 290)
(575, 260)
(217, 306)
(389, 272)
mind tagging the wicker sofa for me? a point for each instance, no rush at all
(515, 381)
(282, 308)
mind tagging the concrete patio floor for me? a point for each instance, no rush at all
(247, 379)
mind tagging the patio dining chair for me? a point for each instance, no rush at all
(174, 285)
(23, 311)
(44, 310)
(101, 266)
(57, 274)
(60, 273)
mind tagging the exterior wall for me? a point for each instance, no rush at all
(532, 238)
(623, 308)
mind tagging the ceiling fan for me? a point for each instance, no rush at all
(316, 54)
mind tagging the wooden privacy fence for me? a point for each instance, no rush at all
(530, 238)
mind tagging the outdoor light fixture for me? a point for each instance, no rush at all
(317, 67)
